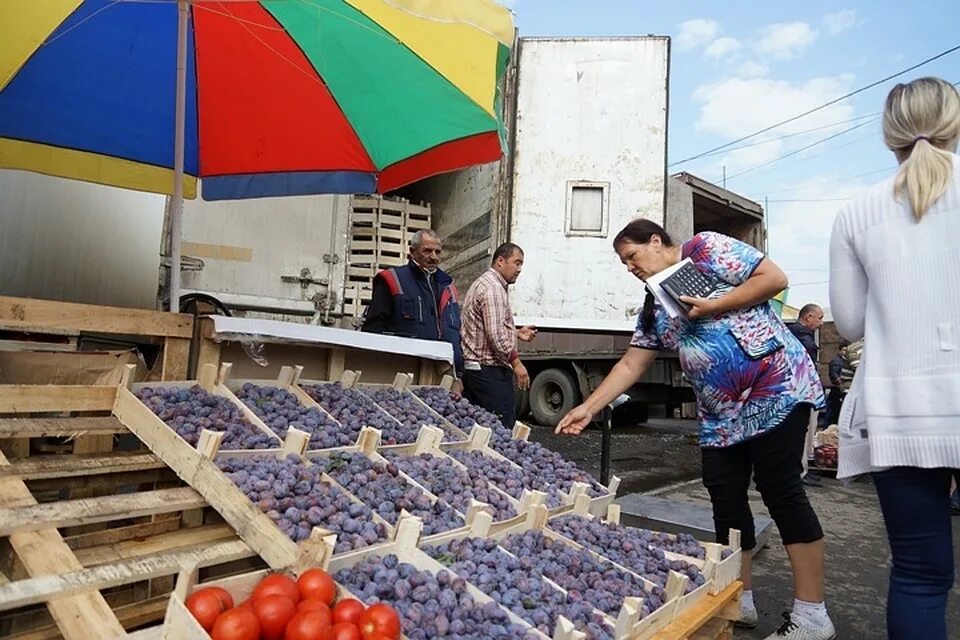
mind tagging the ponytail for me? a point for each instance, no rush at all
(921, 124)
(923, 176)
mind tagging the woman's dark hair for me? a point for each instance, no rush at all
(640, 231)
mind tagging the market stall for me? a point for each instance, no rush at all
(187, 506)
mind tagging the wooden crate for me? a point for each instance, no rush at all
(173, 331)
(196, 466)
(97, 534)
(380, 232)
(401, 384)
(627, 624)
(719, 572)
(356, 298)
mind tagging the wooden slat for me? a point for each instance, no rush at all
(251, 524)
(59, 466)
(66, 318)
(53, 427)
(130, 615)
(83, 617)
(690, 621)
(56, 587)
(104, 483)
(162, 543)
(176, 354)
(116, 535)
(30, 398)
(68, 513)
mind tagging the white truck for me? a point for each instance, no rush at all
(588, 122)
(587, 119)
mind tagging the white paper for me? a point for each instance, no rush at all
(669, 304)
(275, 330)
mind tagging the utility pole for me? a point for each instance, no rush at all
(766, 225)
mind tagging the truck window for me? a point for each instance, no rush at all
(587, 208)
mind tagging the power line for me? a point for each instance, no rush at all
(811, 185)
(813, 155)
(800, 150)
(825, 104)
(786, 135)
(812, 200)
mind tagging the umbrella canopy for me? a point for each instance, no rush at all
(282, 97)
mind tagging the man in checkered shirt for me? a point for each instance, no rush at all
(489, 338)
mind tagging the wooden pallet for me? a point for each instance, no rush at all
(380, 231)
(92, 540)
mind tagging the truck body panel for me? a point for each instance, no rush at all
(584, 166)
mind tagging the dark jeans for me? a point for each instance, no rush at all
(916, 510)
(774, 461)
(492, 388)
(834, 403)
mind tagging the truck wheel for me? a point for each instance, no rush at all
(553, 393)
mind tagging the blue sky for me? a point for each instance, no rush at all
(738, 67)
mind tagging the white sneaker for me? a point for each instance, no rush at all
(797, 628)
(748, 619)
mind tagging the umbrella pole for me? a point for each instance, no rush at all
(176, 204)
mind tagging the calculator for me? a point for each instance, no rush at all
(689, 281)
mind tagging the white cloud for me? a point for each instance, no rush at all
(752, 69)
(786, 39)
(840, 21)
(722, 48)
(800, 235)
(736, 107)
(696, 33)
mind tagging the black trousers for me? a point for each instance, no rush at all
(834, 403)
(774, 461)
(492, 388)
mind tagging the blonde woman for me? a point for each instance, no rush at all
(894, 262)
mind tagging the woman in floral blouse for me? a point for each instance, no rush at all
(755, 387)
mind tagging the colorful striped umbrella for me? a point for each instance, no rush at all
(274, 97)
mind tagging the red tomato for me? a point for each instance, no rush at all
(246, 604)
(348, 610)
(346, 631)
(380, 619)
(317, 583)
(277, 583)
(225, 597)
(308, 625)
(312, 604)
(274, 612)
(206, 606)
(236, 624)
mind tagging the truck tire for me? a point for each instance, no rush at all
(553, 393)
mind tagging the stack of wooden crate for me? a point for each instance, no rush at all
(380, 231)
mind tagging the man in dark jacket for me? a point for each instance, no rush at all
(805, 329)
(840, 376)
(417, 300)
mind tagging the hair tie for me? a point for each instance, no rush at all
(919, 138)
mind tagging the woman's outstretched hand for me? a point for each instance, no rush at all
(575, 421)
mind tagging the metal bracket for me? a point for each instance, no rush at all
(305, 279)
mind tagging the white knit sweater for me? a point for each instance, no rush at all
(896, 283)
